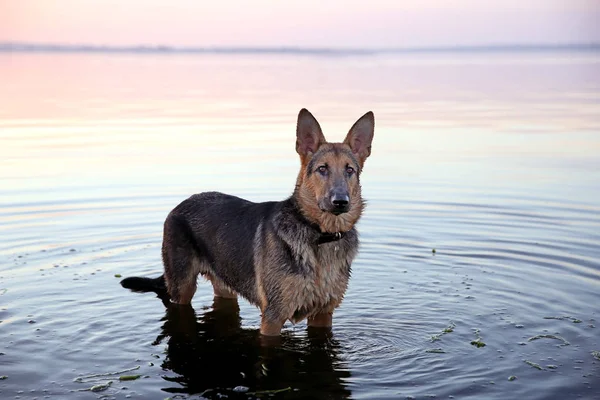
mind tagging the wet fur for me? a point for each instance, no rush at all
(269, 252)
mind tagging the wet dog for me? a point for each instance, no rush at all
(290, 258)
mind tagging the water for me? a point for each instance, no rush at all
(490, 159)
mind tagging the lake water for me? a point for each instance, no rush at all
(491, 159)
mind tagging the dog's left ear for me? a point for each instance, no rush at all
(309, 135)
(360, 136)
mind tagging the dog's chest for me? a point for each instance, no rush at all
(326, 279)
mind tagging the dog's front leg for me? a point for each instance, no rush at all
(322, 320)
(270, 327)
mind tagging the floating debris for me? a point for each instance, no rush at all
(478, 342)
(129, 377)
(270, 391)
(3, 377)
(562, 339)
(572, 319)
(101, 387)
(264, 369)
(596, 354)
(512, 378)
(87, 377)
(241, 389)
(433, 251)
(551, 366)
(534, 365)
(434, 351)
(118, 275)
(448, 329)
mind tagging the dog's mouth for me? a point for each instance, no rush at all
(339, 211)
(336, 210)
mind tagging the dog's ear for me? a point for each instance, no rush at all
(308, 134)
(360, 136)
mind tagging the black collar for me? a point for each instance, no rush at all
(327, 237)
(324, 237)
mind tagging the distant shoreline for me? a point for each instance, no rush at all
(16, 47)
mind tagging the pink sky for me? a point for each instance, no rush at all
(312, 23)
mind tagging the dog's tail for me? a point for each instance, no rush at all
(139, 284)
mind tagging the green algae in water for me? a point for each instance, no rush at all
(448, 329)
(556, 337)
(572, 319)
(478, 343)
(129, 377)
(596, 355)
(512, 378)
(534, 365)
(87, 377)
(439, 351)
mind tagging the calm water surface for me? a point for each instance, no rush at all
(492, 160)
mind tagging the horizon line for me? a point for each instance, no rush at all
(15, 46)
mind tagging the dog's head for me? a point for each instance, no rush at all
(328, 185)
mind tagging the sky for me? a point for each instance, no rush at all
(306, 23)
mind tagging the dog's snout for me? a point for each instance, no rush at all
(340, 200)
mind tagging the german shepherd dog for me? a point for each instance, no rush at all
(290, 258)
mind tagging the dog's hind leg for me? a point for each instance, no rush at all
(181, 261)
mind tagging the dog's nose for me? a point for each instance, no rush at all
(340, 200)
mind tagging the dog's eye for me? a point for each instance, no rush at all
(322, 169)
(349, 170)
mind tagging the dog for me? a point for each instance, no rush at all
(292, 258)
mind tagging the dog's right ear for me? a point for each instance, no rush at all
(308, 134)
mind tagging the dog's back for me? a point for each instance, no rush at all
(214, 232)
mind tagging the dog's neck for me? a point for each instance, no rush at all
(324, 236)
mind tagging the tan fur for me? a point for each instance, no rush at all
(311, 188)
(323, 320)
(320, 291)
(221, 289)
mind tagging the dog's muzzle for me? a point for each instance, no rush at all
(340, 203)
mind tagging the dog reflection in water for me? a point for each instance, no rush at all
(212, 354)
